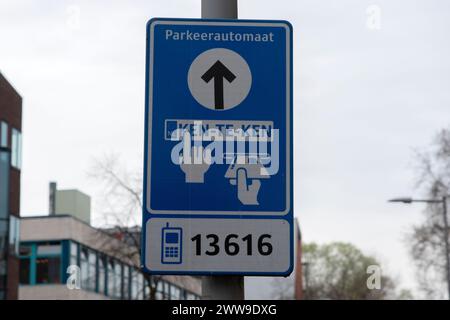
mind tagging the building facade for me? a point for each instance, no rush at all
(62, 257)
(10, 167)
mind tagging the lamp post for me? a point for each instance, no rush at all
(443, 202)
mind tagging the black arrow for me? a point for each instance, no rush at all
(218, 71)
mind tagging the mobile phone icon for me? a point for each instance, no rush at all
(171, 245)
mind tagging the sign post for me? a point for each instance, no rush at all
(218, 152)
(221, 287)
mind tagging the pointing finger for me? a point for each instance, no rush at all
(242, 180)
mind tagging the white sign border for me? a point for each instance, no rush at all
(288, 118)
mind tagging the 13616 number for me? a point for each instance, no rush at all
(231, 244)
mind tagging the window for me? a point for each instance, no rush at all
(3, 244)
(114, 279)
(14, 234)
(92, 277)
(147, 290)
(117, 281)
(24, 271)
(136, 284)
(126, 283)
(3, 134)
(4, 184)
(88, 269)
(166, 291)
(183, 294)
(101, 275)
(4, 212)
(84, 266)
(49, 249)
(140, 287)
(48, 263)
(48, 270)
(40, 263)
(111, 278)
(73, 253)
(159, 291)
(3, 238)
(16, 148)
(174, 293)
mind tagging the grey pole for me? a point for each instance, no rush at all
(219, 9)
(221, 287)
(446, 235)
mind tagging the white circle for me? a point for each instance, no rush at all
(237, 79)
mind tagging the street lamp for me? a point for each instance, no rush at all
(442, 201)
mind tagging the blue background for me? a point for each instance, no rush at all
(172, 99)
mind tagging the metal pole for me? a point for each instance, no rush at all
(446, 235)
(219, 9)
(221, 287)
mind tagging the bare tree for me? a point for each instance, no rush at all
(121, 203)
(426, 240)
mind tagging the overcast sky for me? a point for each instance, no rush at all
(364, 99)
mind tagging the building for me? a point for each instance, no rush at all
(63, 248)
(71, 201)
(10, 166)
(50, 245)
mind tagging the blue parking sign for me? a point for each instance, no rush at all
(218, 147)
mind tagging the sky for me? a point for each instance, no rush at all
(369, 89)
